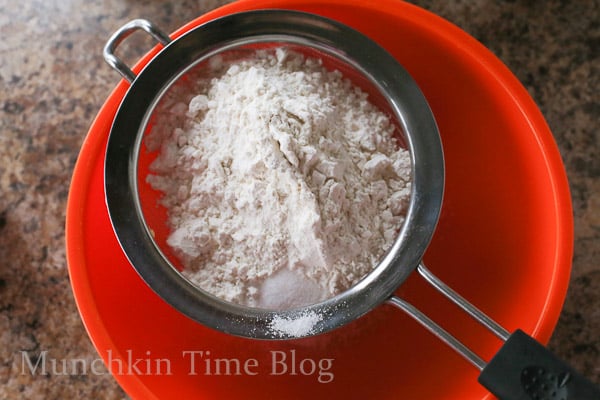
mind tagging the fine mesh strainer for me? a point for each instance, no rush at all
(137, 227)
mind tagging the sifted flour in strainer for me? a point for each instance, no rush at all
(283, 183)
(397, 109)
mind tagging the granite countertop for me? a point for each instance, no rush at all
(53, 81)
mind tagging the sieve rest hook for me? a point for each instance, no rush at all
(522, 369)
(120, 35)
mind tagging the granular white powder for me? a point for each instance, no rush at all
(284, 185)
(297, 326)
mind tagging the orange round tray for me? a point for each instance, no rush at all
(504, 242)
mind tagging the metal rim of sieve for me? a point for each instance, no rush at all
(405, 100)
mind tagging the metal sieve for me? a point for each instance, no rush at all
(394, 91)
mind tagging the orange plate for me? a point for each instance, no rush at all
(504, 241)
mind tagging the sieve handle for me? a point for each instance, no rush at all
(522, 369)
(121, 34)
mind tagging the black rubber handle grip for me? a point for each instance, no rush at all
(523, 369)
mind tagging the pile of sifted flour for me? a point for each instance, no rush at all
(284, 185)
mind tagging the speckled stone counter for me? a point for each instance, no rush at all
(53, 81)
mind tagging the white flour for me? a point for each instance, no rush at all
(296, 326)
(284, 185)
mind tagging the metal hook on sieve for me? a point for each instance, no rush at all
(119, 36)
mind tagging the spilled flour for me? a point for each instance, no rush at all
(298, 326)
(284, 185)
